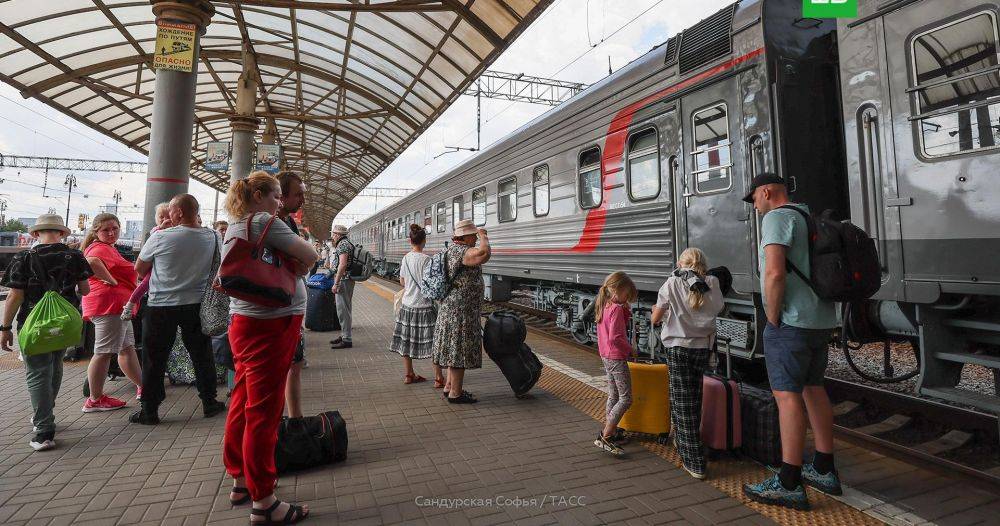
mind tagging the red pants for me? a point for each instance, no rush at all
(262, 353)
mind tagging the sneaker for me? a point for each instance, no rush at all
(607, 445)
(144, 418)
(213, 407)
(42, 441)
(829, 483)
(138, 392)
(696, 474)
(620, 438)
(770, 491)
(336, 341)
(344, 344)
(104, 403)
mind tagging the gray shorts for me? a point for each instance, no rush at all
(795, 357)
(112, 334)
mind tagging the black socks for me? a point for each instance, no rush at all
(823, 462)
(790, 476)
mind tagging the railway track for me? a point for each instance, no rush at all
(952, 439)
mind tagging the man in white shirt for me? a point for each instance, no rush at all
(180, 259)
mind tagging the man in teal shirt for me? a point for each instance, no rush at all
(796, 340)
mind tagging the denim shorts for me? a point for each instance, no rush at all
(795, 357)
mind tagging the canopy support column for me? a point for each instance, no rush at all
(243, 122)
(172, 122)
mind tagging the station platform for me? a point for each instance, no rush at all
(415, 459)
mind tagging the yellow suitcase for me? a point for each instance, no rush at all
(650, 410)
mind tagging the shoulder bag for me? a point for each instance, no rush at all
(255, 273)
(214, 311)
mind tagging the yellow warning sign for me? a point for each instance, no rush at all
(174, 46)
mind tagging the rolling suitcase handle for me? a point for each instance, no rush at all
(728, 353)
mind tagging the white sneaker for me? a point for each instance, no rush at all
(39, 444)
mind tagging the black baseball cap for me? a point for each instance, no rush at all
(763, 179)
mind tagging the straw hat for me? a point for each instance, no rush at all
(49, 222)
(339, 229)
(465, 227)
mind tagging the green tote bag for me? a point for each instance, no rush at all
(53, 324)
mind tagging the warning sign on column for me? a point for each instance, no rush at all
(174, 47)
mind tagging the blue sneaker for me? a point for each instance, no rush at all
(770, 491)
(829, 483)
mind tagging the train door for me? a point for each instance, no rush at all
(944, 84)
(671, 172)
(711, 187)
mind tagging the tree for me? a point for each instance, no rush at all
(13, 225)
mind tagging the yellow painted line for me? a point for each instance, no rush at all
(385, 292)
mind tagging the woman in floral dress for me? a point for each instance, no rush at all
(458, 337)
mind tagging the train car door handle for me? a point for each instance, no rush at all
(899, 201)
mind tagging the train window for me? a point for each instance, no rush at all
(479, 206)
(400, 228)
(591, 191)
(406, 224)
(442, 216)
(955, 69)
(427, 219)
(416, 221)
(456, 210)
(540, 189)
(711, 149)
(507, 200)
(643, 165)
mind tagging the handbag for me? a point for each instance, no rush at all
(255, 273)
(214, 311)
(397, 301)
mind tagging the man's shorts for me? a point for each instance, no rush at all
(795, 357)
(112, 334)
(300, 349)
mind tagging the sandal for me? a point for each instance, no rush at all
(438, 384)
(295, 515)
(242, 500)
(413, 379)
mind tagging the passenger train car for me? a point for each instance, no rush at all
(890, 120)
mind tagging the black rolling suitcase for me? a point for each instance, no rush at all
(321, 310)
(310, 441)
(503, 339)
(761, 433)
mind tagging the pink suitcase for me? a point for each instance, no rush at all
(720, 409)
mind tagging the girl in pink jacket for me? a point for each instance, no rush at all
(613, 313)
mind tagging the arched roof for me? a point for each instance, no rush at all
(347, 85)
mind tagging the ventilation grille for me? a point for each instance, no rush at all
(672, 50)
(707, 40)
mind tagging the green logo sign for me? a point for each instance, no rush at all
(830, 8)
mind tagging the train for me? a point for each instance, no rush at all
(886, 120)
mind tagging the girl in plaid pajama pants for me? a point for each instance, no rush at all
(612, 312)
(687, 304)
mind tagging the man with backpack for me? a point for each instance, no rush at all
(293, 196)
(796, 339)
(49, 266)
(343, 287)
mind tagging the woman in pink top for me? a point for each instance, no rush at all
(612, 312)
(113, 281)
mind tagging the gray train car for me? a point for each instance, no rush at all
(655, 158)
(920, 83)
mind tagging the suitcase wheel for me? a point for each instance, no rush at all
(663, 438)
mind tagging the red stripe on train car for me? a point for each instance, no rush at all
(611, 162)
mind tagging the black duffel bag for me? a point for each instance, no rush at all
(310, 441)
(504, 333)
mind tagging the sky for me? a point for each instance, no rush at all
(573, 41)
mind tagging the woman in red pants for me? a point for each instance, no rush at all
(263, 340)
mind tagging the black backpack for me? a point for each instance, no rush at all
(843, 260)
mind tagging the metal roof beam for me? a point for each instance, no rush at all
(395, 6)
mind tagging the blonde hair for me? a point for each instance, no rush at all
(96, 225)
(616, 282)
(162, 209)
(240, 194)
(694, 259)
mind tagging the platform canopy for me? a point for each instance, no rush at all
(344, 86)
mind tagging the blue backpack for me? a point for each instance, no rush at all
(435, 283)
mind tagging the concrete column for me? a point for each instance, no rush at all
(168, 173)
(241, 163)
